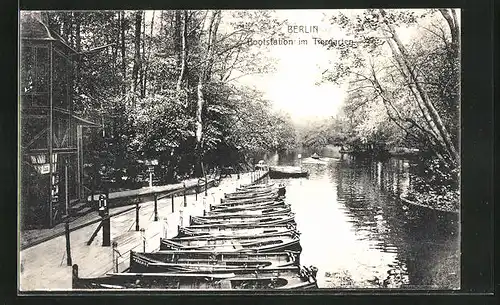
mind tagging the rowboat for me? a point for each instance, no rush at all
(264, 211)
(249, 193)
(193, 231)
(263, 189)
(286, 279)
(272, 219)
(448, 216)
(255, 186)
(154, 281)
(315, 161)
(270, 244)
(248, 207)
(285, 258)
(241, 268)
(243, 225)
(280, 172)
(226, 201)
(159, 262)
(140, 264)
(259, 187)
(269, 195)
(215, 238)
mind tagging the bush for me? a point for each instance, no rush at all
(435, 185)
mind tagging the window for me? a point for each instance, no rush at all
(35, 76)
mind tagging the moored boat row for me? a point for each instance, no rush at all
(248, 241)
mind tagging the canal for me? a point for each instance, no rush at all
(356, 232)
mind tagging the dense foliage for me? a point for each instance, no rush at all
(403, 82)
(163, 85)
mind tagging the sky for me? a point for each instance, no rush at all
(293, 87)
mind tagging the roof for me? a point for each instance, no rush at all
(32, 27)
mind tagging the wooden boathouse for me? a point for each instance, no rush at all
(51, 154)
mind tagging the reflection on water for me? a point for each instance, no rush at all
(354, 229)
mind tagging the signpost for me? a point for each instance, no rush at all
(151, 169)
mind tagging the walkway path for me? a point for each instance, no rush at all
(43, 266)
(121, 200)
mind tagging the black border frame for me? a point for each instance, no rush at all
(477, 152)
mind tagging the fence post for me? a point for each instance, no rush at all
(106, 234)
(173, 210)
(184, 193)
(115, 259)
(137, 216)
(156, 206)
(68, 245)
(92, 192)
(143, 235)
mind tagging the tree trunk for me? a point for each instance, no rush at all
(143, 55)
(123, 50)
(184, 50)
(137, 55)
(202, 77)
(432, 126)
(423, 94)
(149, 54)
(177, 35)
(215, 27)
(452, 21)
(78, 47)
(199, 108)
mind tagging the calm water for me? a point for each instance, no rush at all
(354, 229)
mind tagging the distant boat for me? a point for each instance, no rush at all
(279, 172)
(315, 156)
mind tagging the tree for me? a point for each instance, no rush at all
(404, 75)
(137, 56)
(168, 91)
